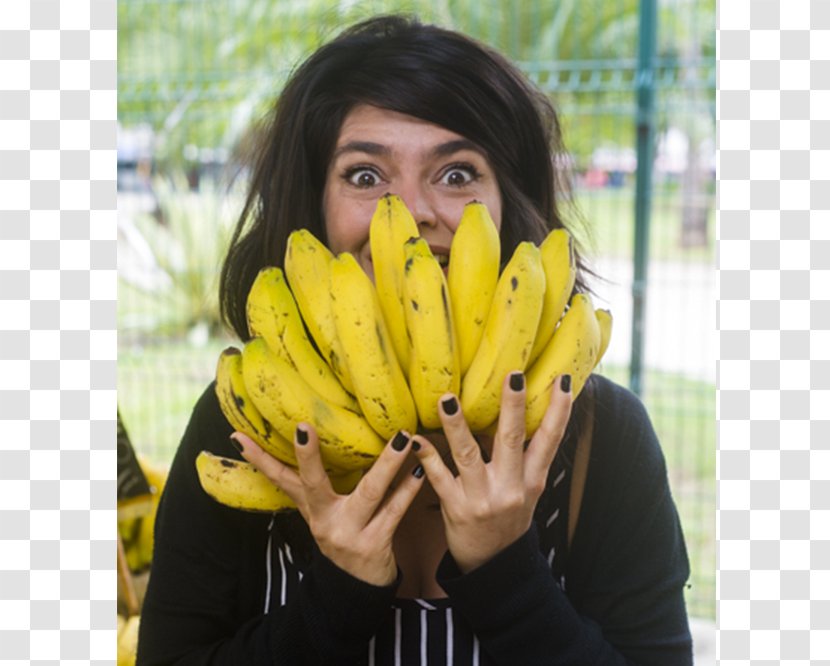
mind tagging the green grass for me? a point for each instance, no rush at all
(159, 384)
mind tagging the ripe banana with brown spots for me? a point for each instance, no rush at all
(273, 315)
(558, 262)
(240, 411)
(434, 367)
(606, 322)
(379, 381)
(240, 485)
(472, 275)
(508, 336)
(391, 226)
(285, 399)
(573, 349)
(307, 263)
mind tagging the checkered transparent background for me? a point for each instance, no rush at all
(774, 324)
(58, 338)
(57, 331)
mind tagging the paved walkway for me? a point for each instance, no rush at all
(703, 635)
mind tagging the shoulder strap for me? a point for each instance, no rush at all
(580, 468)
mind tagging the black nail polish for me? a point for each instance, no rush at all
(418, 472)
(400, 441)
(416, 446)
(302, 437)
(517, 381)
(450, 406)
(236, 444)
(566, 383)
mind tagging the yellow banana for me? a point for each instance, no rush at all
(434, 361)
(156, 475)
(380, 385)
(134, 556)
(128, 642)
(239, 484)
(242, 413)
(284, 398)
(307, 263)
(572, 350)
(473, 272)
(559, 265)
(606, 322)
(391, 226)
(508, 335)
(273, 315)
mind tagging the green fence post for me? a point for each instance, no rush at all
(642, 200)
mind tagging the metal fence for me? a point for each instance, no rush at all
(630, 79)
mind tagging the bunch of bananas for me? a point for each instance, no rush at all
(361, 360)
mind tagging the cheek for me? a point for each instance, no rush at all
(490, 196)
(493, 200)
(494, 209)
(347, 225)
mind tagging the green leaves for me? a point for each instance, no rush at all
(170, 262)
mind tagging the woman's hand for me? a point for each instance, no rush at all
(354, 531)
(489, 505)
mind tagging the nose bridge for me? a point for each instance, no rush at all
(418, 199)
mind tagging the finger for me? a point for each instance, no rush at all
(374, 485)
(315, 481)
(431, 463)
(276, 471)
(508, 447)
(545, 442)
(397, 503)
(463, 446)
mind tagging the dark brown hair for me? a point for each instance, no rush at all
(400, 64)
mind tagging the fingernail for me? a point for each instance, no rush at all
(450, 406)
(236, 444)
(418, 472)
(400, 441)
(416, 446)
(302, 436)
(517, 381)
(566, 384)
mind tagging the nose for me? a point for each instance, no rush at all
(420, 204)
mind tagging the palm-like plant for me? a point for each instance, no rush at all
(170, 287)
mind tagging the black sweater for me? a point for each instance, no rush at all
(229, 587)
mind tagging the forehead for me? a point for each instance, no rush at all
(365, 122)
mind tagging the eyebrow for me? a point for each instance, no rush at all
(368, 147)
(455, 146)
(372, 148)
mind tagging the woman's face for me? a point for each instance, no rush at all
(435, 171)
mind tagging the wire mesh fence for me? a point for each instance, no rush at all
(193, 75)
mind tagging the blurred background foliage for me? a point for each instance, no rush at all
(175, 56)
(193, 77)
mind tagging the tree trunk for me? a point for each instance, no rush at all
(694, 228)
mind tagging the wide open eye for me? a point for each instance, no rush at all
(362, 177)
(459, 175)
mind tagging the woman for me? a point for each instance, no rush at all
(450, 550)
